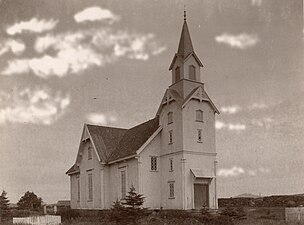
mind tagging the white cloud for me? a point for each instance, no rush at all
(256, 2)
(101, 118)
(219, 125)
(38, 106)
(232, 172)
(95, 14)
(236, 127)
(34, 26)
(231, 109)
(264, 170)
(15, 46)
(78, 51)
(257, 106)
(263, 122)
(230, 126)
(252, 173)
(241, 41)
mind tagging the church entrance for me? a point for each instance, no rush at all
(201, 195)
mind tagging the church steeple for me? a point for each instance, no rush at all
(185, 65)
(185, 46)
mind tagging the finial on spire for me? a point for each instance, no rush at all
(185, 16)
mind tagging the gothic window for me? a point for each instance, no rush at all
(89, 153)
(90, 187)
(199, 135)
(170, 117)
(170, 137)
(199, 115)
(177, 74)
(171, 189)
(192, 75)
(123, 180)
(153, 163)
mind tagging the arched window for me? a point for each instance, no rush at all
(177, 74)
(192, 75)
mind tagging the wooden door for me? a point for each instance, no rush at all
(201, 195)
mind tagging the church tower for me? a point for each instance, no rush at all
(187, 117)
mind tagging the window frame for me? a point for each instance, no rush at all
(177, 73)
(78, 187)
(90, 187)
(90, 153)
(171, 189)
(170, 117)
(199, 136)
(153, 162)
(199, 118)
(123, 183)
(191, 68)
(171, 165)
(170, 137)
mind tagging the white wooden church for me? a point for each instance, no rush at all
(170, 159)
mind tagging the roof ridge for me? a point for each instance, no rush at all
(95, 125)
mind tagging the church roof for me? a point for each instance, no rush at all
(116, 143)
(134, 138)
(105, 139)
(185, 47)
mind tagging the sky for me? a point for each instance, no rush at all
(66, 63)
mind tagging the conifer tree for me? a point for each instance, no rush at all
(133, 200)
(4, 202)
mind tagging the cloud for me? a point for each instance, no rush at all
(241, 41)
(95, 14)
(256, 2)
(263, 122)
(14, 46)
(100, 118)
(230, 126)
(33, 26)
(231, 109)
(232, 172)
(257, 106)
(78, 51)
(38, 106)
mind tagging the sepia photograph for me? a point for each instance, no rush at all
(158, 112)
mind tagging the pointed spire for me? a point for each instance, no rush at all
(185, 44)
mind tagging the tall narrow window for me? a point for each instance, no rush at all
(177, 74)
(171, 189)
(170, 137)
(199, 135)
(153, 163)
(199, 115)
(90, 187)
(123, 181)
(192, 75)
(78, 188)
(171, 164)
(89, 153)
(170, 117)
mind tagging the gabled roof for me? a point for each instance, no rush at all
(134, 138)
(182, 102)
(105, 139)
(113, 144)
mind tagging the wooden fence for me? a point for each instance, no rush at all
(294, 214)
(38, 220)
